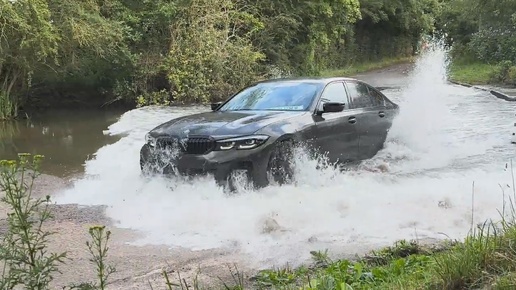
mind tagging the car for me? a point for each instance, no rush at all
(258, 128)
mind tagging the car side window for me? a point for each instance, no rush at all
(378, 99)
(360, 95)
(335, 92)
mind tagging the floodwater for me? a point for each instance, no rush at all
(445, 138)
(66, 137)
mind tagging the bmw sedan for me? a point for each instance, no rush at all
(257, 129)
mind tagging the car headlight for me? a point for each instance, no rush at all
(150, 140)
(241, 143)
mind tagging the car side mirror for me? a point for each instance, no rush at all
(215, 106)
(333, 107)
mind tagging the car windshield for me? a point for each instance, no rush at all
(279, 96)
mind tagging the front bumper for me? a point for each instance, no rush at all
(218, 163)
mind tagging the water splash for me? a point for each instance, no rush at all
(444, 138)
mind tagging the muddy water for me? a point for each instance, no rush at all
(66, 138)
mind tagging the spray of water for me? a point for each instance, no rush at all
(438, 146)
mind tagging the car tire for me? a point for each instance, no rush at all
(146, 168)
(280, 168)
(153, 166)
(232, 185)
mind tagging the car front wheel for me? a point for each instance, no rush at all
(280, 168)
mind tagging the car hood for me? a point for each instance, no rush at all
(222, 124)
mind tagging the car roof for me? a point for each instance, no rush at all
(319, 80)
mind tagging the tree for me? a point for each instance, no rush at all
(28, 40)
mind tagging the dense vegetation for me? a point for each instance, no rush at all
(483, 35)
(138, 52)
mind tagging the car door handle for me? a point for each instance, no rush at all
(381, 114)
(352, 120)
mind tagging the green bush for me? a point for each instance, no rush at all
(494, 44)
(511, 76)
(208, 59)
(504, 73)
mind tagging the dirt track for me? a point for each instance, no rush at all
(137, 267)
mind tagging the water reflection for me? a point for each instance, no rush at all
(66, 137)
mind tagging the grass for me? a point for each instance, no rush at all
(486, 259)
(357, 68)
(467, 69)
(473, 73)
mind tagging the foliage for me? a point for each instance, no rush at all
(377, 271)
(299, 35)
(98, 249)
(177, 51)
(351, 70)
(393, 28)
(24, 246)
(27, 40)
(477, 72)
(484, 29)
(210, 56)
(494, 44)
(471, 71)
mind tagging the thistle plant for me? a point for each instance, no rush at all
(98, 248)
(24, 245)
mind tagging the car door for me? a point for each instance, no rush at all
(373, 117)
(336, 135)
(385, 114)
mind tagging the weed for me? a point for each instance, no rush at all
(279, 277)
(98, 250)
(238, 279)
(24, 247)
(23, 250)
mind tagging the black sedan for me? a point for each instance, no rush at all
(257, 129)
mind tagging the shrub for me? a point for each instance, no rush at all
(504, 73)
(24, 250)
(209, 57)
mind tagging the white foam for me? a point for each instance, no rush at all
(445, 138)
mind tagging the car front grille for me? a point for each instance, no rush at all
(193, 145)
(199, 145)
